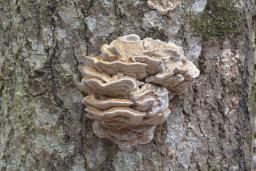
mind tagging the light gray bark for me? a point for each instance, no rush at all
(42, 122)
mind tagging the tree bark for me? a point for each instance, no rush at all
(43, 125)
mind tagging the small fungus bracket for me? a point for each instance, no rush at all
(163, 6)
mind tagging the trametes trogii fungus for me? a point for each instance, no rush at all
(163, 6)
(129, 87)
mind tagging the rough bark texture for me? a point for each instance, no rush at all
(42, 120)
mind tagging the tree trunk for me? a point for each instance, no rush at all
(43, 125)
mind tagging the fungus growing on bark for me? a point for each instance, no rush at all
(163, 6)
(129, 87)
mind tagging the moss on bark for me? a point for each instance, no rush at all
(219, 19)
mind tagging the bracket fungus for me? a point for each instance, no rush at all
(129, 86)
(163, 6)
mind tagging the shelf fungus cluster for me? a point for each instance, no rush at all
(129, 86)
(163, 6)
